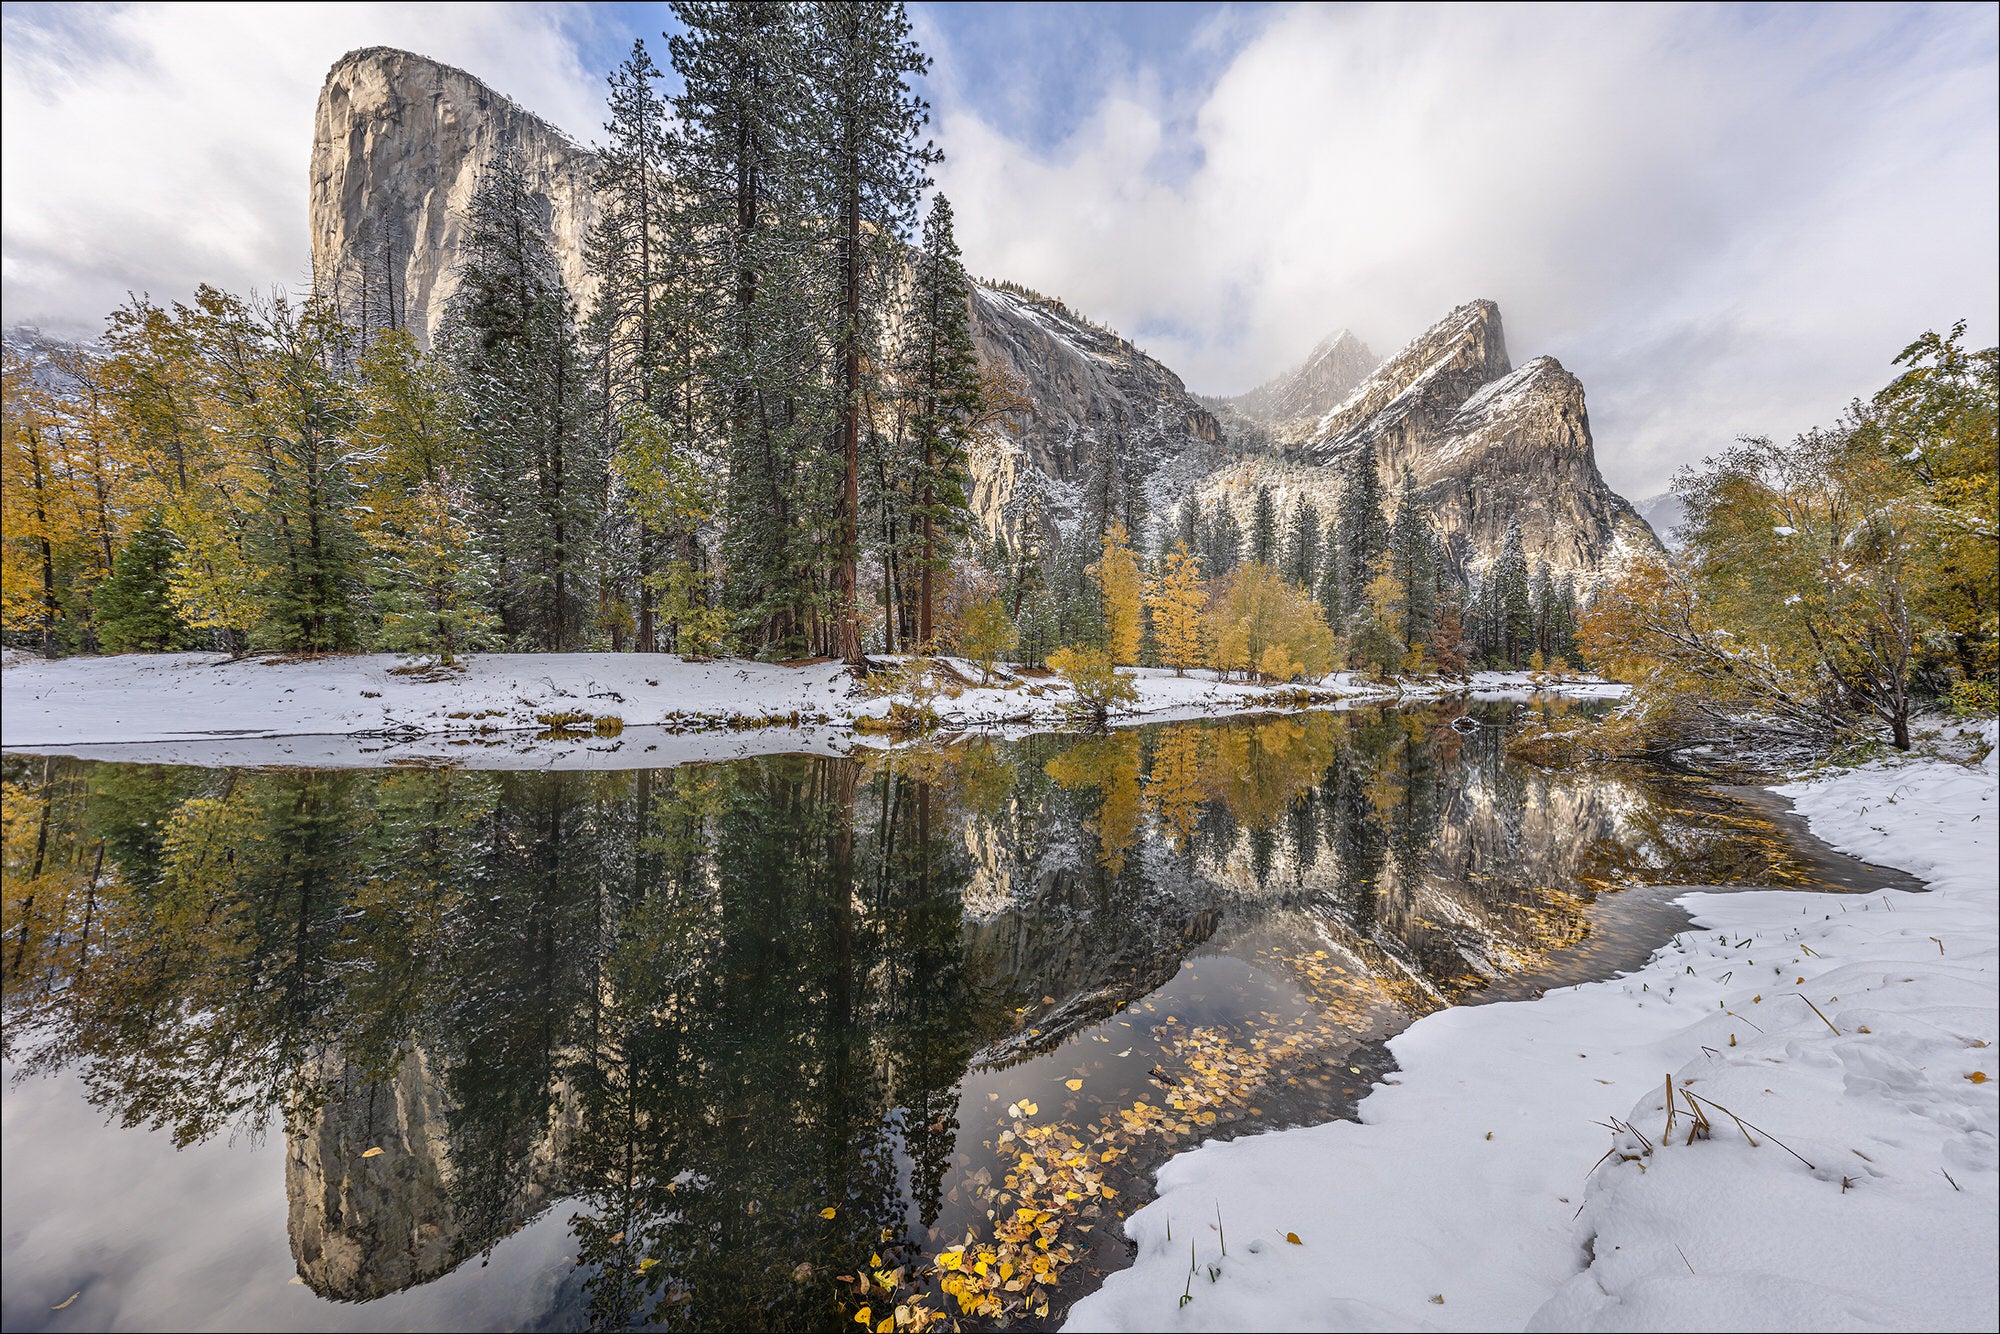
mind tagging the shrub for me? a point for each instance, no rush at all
(1095, 679)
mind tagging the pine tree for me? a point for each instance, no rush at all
(1188, 526)
(1302, 556)
(1264, 528)
(631, 332)
(757, 371)
(1363, 530)
(1118, 580)
(133, 611)
(1225, 542)
(1180, 607)
(1512, 603)
(861, 129)
(1411, 560)
(939, 384)
(510, 337)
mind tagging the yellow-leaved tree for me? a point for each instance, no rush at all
(1266, 627)
(1117, 573)
(1180, 611)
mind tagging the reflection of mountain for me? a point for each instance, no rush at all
(701, 1005)
(363, 1226)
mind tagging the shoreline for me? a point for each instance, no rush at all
(1475, 1191)
(378, 709)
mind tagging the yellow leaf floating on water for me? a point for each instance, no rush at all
(66, 1301)
(1073, 1084)
(371, 1153)
(1293, 1238)
(1028, 1108)
(828, 1212)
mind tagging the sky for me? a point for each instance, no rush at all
(1725, 220)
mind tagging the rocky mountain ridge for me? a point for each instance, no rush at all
(399, 143)
(1291, 404)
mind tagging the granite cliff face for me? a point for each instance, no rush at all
(362, 1227)
(399, 142)
(1483, 444)
(1098, 403)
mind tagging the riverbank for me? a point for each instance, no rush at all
(1832, 1055)
(205, 698)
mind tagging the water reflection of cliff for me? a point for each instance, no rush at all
(725, 1010)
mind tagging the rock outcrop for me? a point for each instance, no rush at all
(363, 1223)
(1483, 445)
(399, 142)
(1098, 404)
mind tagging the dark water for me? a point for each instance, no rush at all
(752, 1044)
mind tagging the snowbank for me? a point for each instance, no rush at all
(1860, 1192)
(173, 698)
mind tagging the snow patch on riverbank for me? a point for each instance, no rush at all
(1473, 1194)
(187, 697)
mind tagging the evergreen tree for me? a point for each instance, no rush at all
(538, 478)
(1187, 526)
(1225, 542)
(864, 162)
(1411, 561)
(295, 414)
(938, 380)
(1363, 530)
(1264, 528)
(1512, 607)
(1037, 633)
(133, 609)
(631, 331)
(1302, 557)
(757, 373)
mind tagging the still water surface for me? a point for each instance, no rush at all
(753, 1044)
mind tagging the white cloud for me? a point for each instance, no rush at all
(1723, 220)
(153, 147)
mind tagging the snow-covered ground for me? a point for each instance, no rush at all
(193, 697)
(1852, 1037)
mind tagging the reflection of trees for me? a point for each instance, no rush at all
(710, 1003)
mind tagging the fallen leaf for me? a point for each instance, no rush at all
(828, 1212)
(1293, 1238)
(1073, 1084)
(74, 1295)
(1977, 1076)
(863, 1316)
(371, 1153)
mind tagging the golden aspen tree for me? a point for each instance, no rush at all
(1180, 609)
(1117, 574)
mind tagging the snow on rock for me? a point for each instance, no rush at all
(1472, 1195)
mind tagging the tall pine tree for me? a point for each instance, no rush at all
(511, 337)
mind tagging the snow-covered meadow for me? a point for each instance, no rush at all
(1839, 1048)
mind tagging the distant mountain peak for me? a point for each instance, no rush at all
(1306, 392)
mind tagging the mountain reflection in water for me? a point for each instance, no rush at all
(773, 1034)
